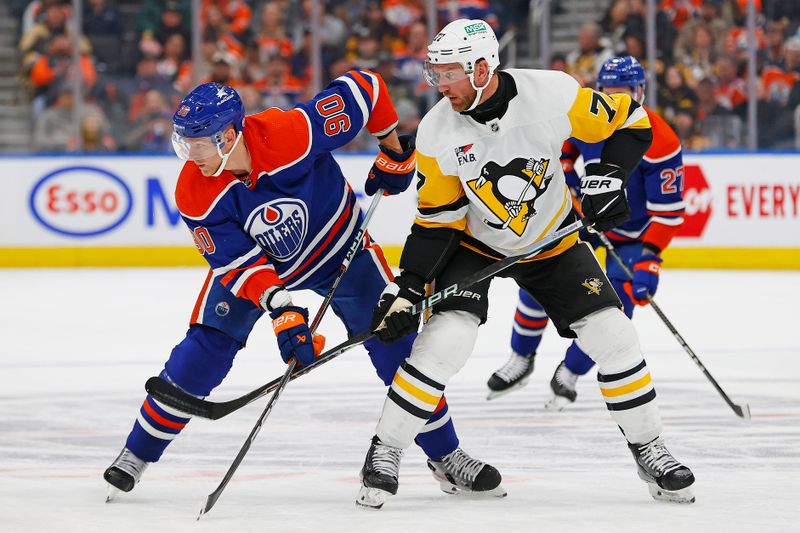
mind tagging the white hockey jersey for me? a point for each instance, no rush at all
(502, 181)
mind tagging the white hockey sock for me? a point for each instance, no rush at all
(609, 337)
(439, 352)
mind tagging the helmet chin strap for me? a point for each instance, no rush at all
(226, 156)
(479, 89)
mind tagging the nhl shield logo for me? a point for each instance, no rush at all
(183, 110)
(511, 190)
(279, 227)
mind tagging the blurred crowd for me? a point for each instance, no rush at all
(702, 66)
(135, 61)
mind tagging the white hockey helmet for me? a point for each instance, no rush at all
(463, 41)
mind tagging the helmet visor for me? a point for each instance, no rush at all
(193, 149)
(446, 74)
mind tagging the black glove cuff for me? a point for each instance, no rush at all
(412, 286)
(607, 169)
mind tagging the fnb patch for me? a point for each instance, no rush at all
(463, 156)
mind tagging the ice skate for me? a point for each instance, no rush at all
(512, 375)
(124, 473)
(666, 478)
(563, 387)
(379, 476)
(458, 473)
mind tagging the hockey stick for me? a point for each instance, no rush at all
(742, 411)
(214, 496)
(177, 398)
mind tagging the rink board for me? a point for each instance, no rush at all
(742, 211)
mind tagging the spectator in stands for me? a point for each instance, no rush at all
(152, 131)
(409, 61)
(680, 11)
(614, 24)
(774, 38)
(147, 78)
(217, 28)
(54, 129)
(585, 61)
(401, 14)
(698, 61)
(96, 131)
(367, 52)
(281, 88)
(101, 18)
(710, 16)
(54, 70)
(559, 62)
(688, 131)
(674, 96)
(731, 91)
(224, 69)
(707, 104)
(173, 63)
(271, 37)
(665, 32)
(36, 41)
(160, 20)
(251, 99)
(408, 116)
(450, 10)
(237, 15)
(372, 22)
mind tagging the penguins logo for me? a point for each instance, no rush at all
(593, 284)
(512, 191)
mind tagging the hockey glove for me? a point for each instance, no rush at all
(645, 279)
(603, 203)
(294, 337)
(390, 320)
(392, 171)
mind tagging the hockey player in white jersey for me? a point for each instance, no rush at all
(490, 184)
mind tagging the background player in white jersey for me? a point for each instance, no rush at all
(271, 212)
(655, 195)
(490, 185)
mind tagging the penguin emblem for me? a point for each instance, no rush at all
(510, 191)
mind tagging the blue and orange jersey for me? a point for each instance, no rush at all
(291, 220)
(655, 187)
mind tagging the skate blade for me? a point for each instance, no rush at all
(557, 403)
(112, 493)
(684, 496)
(372, 498)
(449, 488)
(498, 393)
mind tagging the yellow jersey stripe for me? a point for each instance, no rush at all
(625, 389)
(595, 116)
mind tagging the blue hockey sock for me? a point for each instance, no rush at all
(529, 323)
(577, 361)
(438, 437)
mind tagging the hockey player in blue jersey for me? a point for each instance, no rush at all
(271, 212)
(655, 195)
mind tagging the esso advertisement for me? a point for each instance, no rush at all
(81, 201)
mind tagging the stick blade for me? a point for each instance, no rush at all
(211, 499)
(169, 394)
(742, 411)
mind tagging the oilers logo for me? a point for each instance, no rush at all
(279, 227)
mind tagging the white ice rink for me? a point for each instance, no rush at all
(76, 347)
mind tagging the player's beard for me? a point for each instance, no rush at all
(462, 103)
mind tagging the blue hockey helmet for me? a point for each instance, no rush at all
(203, 116)
(622, 71)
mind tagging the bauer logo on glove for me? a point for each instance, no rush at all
(393, 171)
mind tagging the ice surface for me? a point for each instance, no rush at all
(77, 346)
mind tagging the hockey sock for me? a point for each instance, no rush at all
(439, 352)
(437, 437)
(529, 323)
(623, 375)
(577, 361)
(155, 427)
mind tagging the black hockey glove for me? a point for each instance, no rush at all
(603, 202)
(390, 320)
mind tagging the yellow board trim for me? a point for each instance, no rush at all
(625, 389)
(149, 256)
(167, 256)
(416, 392)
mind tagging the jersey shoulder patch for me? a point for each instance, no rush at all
(278, 139)
(197, 195)
(665, 141)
